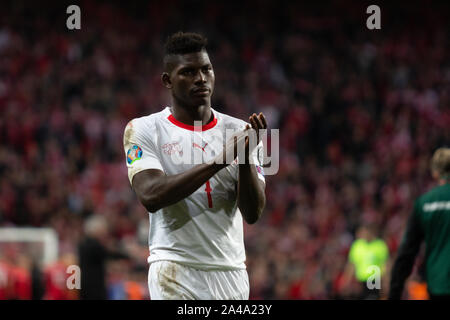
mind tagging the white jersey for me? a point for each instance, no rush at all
(204, 230)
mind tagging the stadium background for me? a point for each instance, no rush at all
(359, 111)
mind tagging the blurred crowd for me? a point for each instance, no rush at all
(359, 111)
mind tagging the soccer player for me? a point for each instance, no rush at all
(429, 222)
(196, 210)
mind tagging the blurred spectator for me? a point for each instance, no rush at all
(21, 276)
(55, 277)
(93, 254)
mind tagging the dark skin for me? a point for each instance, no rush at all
(190, 77)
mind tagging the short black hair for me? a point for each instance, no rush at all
(182, 43)
(185, 42)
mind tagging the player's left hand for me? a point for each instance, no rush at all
(258, 122)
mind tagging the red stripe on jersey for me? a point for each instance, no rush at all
(205, 127)
(208, 192)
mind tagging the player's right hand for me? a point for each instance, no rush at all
(232, 146)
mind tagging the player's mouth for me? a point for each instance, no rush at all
(201, 92)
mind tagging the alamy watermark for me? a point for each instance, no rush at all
(374, 20)
(374, 280)
(74, 20)
(74, 280)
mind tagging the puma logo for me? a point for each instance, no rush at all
(196, 145)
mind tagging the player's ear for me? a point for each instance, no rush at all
(165, 78)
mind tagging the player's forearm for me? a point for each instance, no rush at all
(251, 197)
(168, 190)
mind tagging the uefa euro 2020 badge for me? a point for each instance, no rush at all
(133, 154)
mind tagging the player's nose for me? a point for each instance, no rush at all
(200, 77)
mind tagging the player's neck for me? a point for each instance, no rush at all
(188, 115)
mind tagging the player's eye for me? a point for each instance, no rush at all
(188, 72)
(207, 69)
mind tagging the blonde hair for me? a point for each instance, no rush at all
(440, 162)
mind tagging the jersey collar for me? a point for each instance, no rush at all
(205, 127)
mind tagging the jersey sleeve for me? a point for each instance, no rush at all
(406, 254)
(140, 150)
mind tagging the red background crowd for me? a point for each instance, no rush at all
(359, 112)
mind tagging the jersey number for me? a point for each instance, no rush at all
(208, 193)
